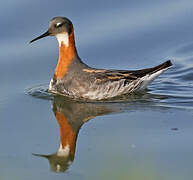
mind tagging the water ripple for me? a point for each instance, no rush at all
(177, 82)
(39, 91)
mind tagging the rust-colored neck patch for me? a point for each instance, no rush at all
(66, 55)
(67, 134)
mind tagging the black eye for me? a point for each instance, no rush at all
(58, 25)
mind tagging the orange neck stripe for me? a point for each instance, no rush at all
(66, 55)
(67, 134)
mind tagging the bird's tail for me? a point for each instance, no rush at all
(152, 73)
(162, 66)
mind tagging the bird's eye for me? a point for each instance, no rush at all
(58, 25)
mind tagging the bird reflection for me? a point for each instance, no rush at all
(70, 117)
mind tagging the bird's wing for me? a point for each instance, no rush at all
(115, 75)
(111, 83)
(128, 75)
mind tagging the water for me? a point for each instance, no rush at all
(144, 136)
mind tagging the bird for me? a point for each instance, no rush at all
(75, 79)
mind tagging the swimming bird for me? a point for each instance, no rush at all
(73, 78)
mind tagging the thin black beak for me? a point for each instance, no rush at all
(42, 36)
(41, 155)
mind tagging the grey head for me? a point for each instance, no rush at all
(58, 25)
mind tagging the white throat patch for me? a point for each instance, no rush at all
(63, 38)
(63, 151)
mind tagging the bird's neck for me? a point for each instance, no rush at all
(67, 53)
(67, 136)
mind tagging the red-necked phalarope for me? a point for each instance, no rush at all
(75, 79)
